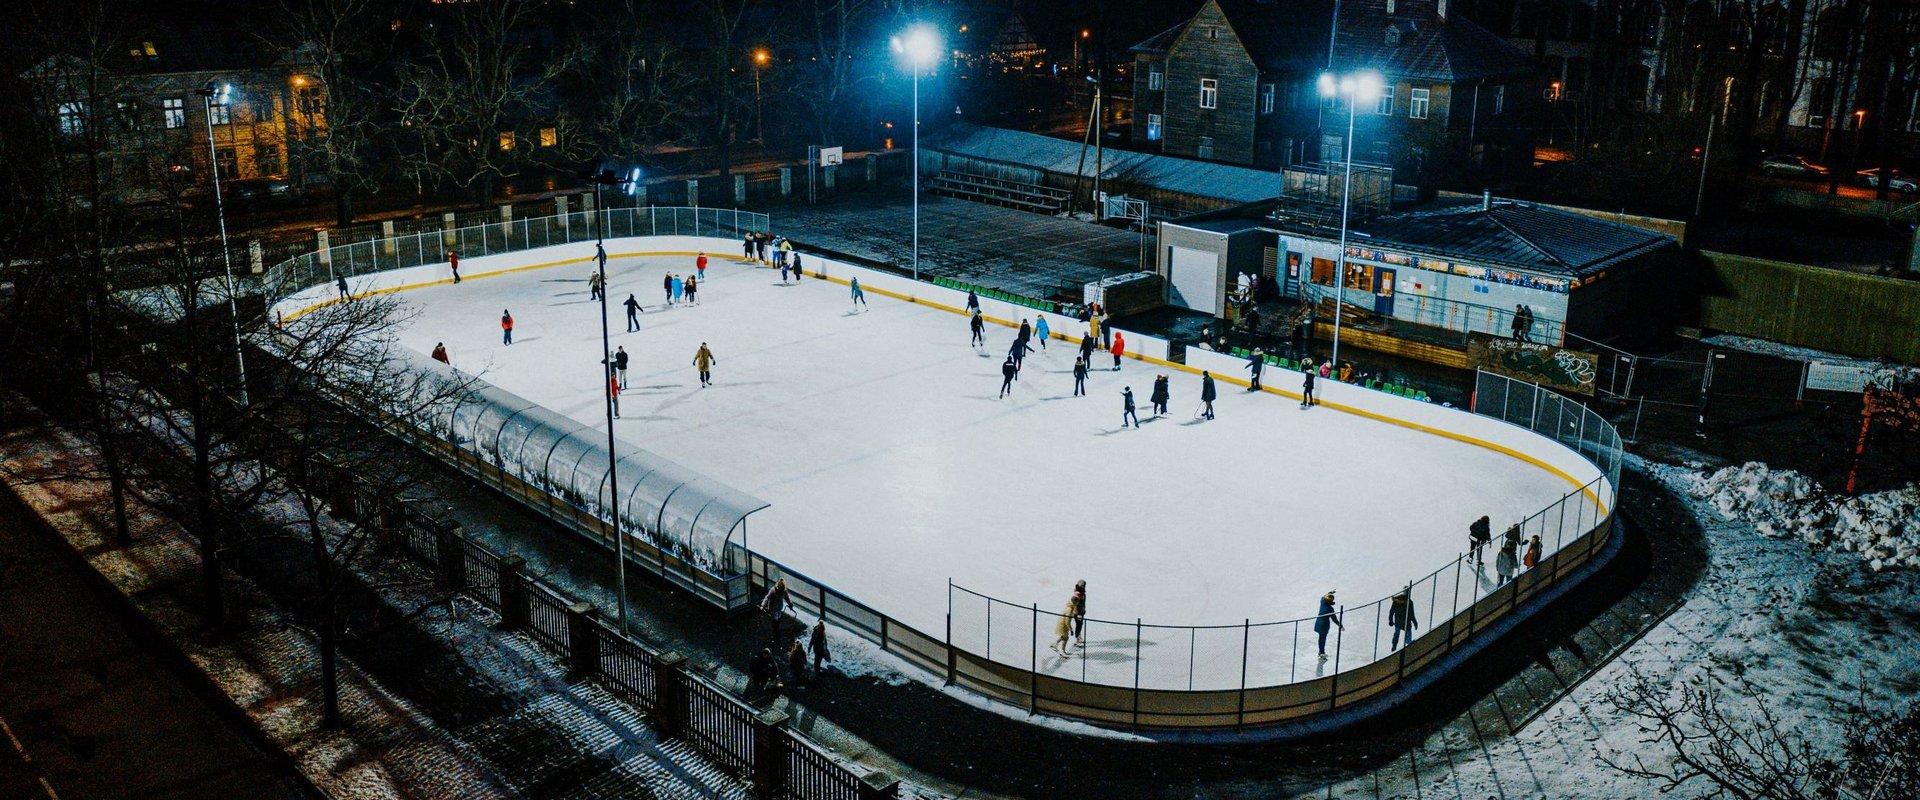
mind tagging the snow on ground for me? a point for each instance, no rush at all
(1808, 631)
(1882, 527)
(892, 466)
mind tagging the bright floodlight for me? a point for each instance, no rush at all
(1327, 86)
(1368, 86)
(920, 44)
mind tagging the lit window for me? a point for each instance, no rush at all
(1499, 99)
(220, 114)
(1384, 106)
(1154, 78)
(1417, 106)
(1209, 93)
(174, 111)
(73, 118)
(549, 137)
(1153, 127)
(506, 140)
(1266, 98)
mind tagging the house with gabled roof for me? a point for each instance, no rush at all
(1237, 82)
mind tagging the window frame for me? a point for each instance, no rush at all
(1267, 91)
(1419, 103)
(173, 113)
(1389, 94)
(1154, 127)
(1210, 93)
(220, 113)
(1156, 79)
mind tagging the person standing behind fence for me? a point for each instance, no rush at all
(1093, 327)
(797, 664)
(506, 327)
(1325, 620)
(1479, 534)
(775, 603)
(1401, 617)
(453, 263)
(818, 643)
(1061, 629)
(1507, 562)
(1532, 558)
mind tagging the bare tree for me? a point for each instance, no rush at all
(836, 32)
(338, 111)
(632, 83)
(723, 20)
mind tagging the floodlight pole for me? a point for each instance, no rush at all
(1340, 275)
(606, 388)
(226, 253)
(916, 166)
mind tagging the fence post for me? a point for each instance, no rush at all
(770, 753)
(1136, 670)
(1246, 634)
(321, 249)
(873, 170)
(877, 786)
(1339, 639)
(506, 224)
(514, 611)
(386, 238)
(448, 545)
(583, 642)
(566, 224)
(670, 693)
(786, 180)
(256, 257)
(1033, 663)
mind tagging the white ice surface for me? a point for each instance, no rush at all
(893, 467)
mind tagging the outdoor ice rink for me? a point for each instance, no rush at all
(892, 467)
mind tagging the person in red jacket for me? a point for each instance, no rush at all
(506, 327)
(1119, 349)
(453, 263)
(1532, 558)
(613, 392)
(700, 266)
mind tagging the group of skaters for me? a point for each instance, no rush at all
(774, 251)
(764, 673)
(1511, 559)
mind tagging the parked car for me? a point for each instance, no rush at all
(1792, 166)
(1896, 180)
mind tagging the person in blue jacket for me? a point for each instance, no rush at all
(1040, 332)
(859, 297)
(1325, 620)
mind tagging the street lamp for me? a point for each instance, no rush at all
(921, 46)
(760, 59)
(224, 93)
(606, 175)
(1363, 86)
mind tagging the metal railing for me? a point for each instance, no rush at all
(1442, 314)
(1151, 674)
(402, 251)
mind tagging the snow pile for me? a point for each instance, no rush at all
(1884, 527)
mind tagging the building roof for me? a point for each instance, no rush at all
(1422, 43)
(1178, 175)
(1504, 233)
(1291, 36)
(1516, 234)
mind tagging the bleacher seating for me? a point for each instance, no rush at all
(1000, 191)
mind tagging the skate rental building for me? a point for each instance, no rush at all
(1431, 273)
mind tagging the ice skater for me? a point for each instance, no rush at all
(1325, 620)
(633, 313)
(1007, 371)
(1026, 331)
(700, 265)
(1401, 618)
(693, 289)
(1080, 613)
(1040, 332)
(620, 364)
(679, 289)
(1479, 534)
(440, 353)
(594, 286)
(666, 286)
(979, 326)
(973, 302)
(453, 263)
(703, 360)
(1162, 392)
(1306, 389)
(798, 273)
(340, 283)
(1207, 394)
(1256, 363)
(1061, 629)
(859, 295)
(1018, 355)
(1080, 376)
(613, 392)
(1087, 344)
(1126, 410)
(506, 327)
(783, 274)
(1532, 558)
(1119, 349)
(746, 246)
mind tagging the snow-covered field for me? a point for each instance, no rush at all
(892, 466)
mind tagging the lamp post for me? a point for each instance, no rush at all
(920, 45)
(1356, 87)
(760, 59)
(603, 176)
(224, 93)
